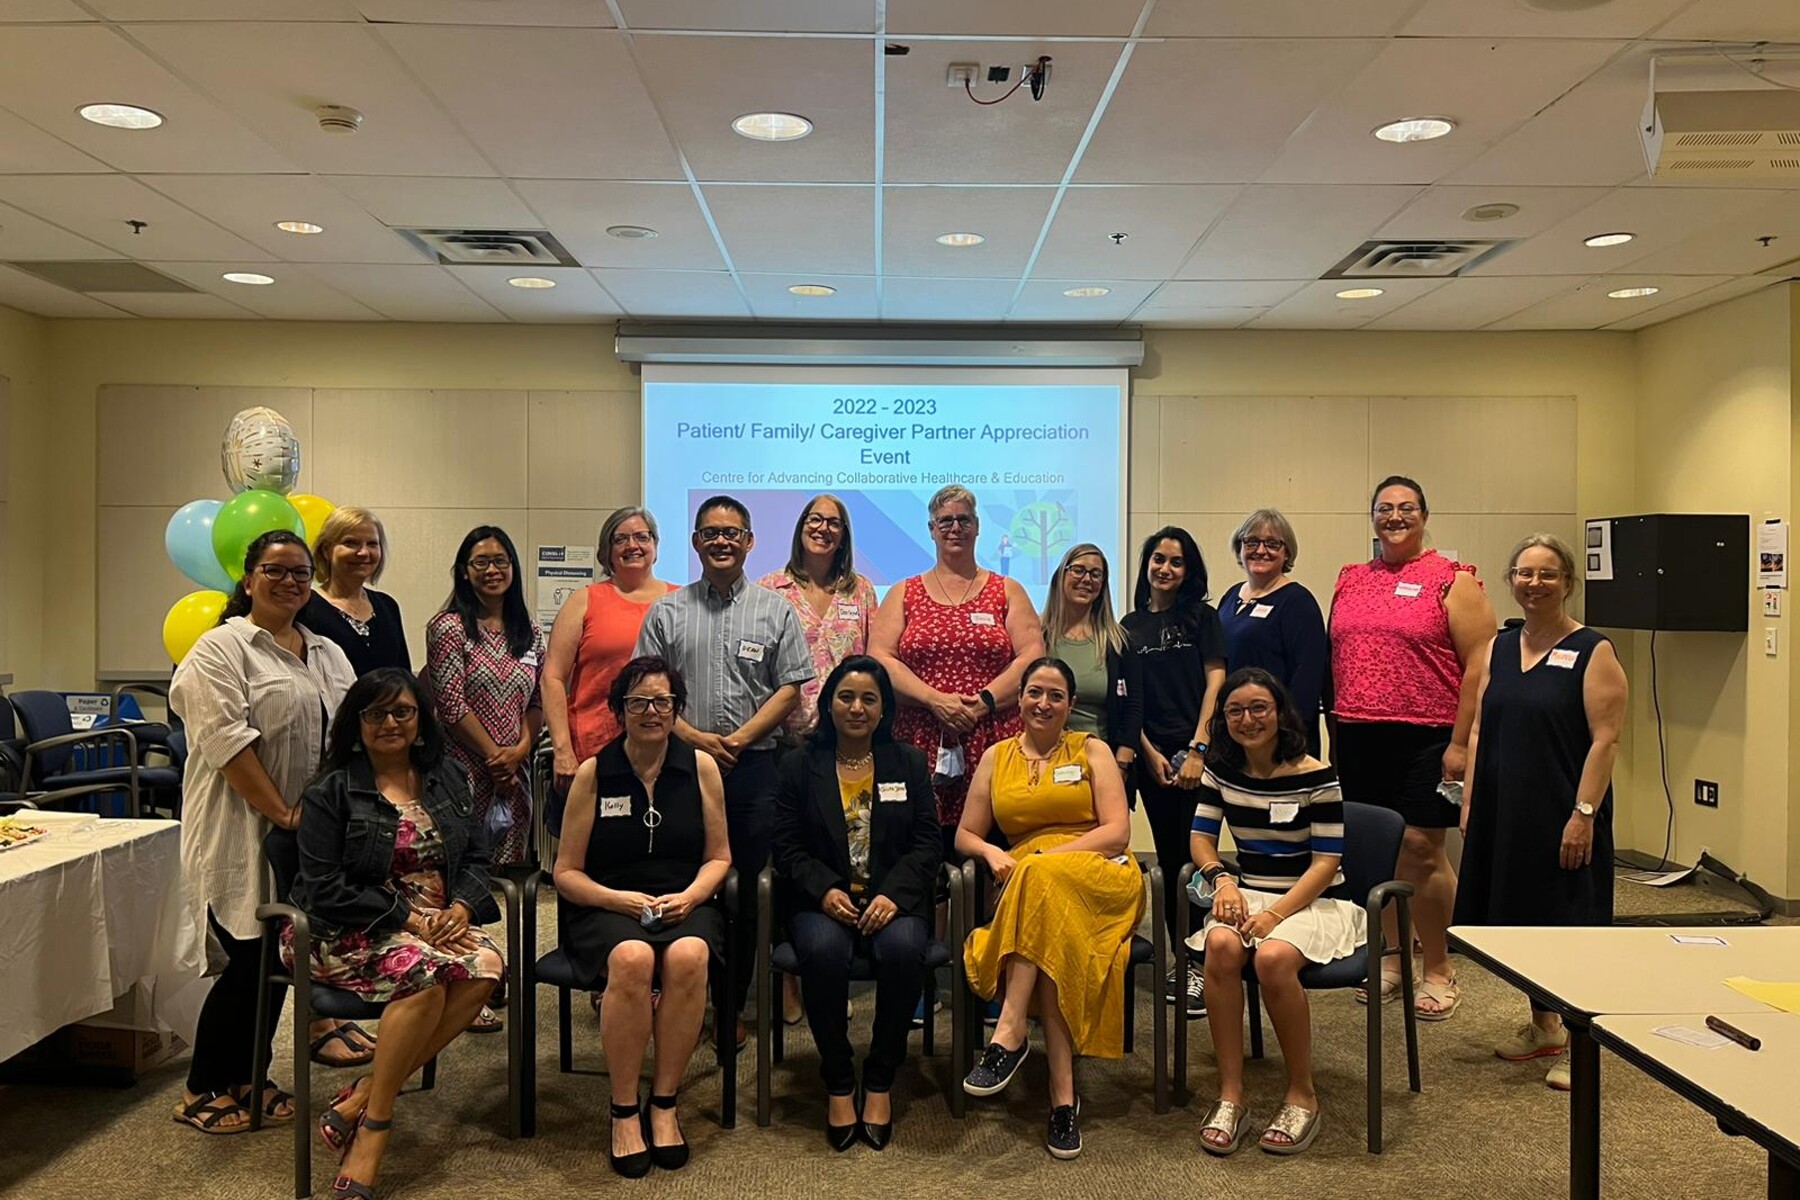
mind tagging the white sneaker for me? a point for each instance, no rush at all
(1530, 1042)
(1558, 1077)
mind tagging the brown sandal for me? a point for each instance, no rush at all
(205, 1114)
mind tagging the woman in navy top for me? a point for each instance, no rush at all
(1273, 622)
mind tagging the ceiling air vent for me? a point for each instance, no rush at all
(490, 247)
(1389, 258)
(104, 275)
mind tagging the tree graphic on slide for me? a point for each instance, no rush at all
(1044, 528)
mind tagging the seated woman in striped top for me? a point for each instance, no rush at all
(1287, 819)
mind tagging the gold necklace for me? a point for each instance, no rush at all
(856, 765)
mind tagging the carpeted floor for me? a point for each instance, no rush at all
(1481, 1127)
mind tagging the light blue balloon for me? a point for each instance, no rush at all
(188, 539)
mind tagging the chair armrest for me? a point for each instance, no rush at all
(46, 799)
(104, 733)
(730, 892)
(1381, 893)
(509, 896)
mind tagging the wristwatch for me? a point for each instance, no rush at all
(987, 698)
(1197, 747)
(1586, 810)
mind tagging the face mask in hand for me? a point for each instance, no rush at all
(949, 763)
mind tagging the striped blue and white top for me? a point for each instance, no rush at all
(1278, 824)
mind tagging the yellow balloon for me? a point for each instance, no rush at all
(188, 618)
(313, 510)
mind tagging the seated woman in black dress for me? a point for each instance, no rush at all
(394, 879)
(643, 854)
(857, 839)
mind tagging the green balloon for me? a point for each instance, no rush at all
(246, 517)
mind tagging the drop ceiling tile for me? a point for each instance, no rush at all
(414, 293)
(1181, 113)
(542, 103)
(1660, 217)
(701, 84)
(1197, 318)
(1214, 300)
(1729, 290)
(579, 211)
(1589, 307)
(1734, 245)
(1291, 231)
(575, 298)
(1736, 21)
(225, 10)
(47, 72)
(1541, 19)
(24, 237)
(440, 203)
(1448, 77)
(906, 299)
(1280, 18)
(98, 206)
(1161, 224)
(819, 229)
(674, 293)
(1471, 302)
(249, 206)
(810, 16)
(1043, 300)
(273, 74)
(771, 300)
(294, 296)
(1437, 213)
(28, 293)
(1316, 305)
(1009, 218)
(18, 12)
(936, 134)
(565, 13)
(1014, 18)
(26, 149)
(188, 306)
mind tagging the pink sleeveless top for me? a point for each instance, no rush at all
(1391, 654)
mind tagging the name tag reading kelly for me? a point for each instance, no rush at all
(750, 651)
(1283, 811)
(615, 806)
(849, 612)
(890, 793)
(1262, 611)
(1068, 773)
(1566, 659)
(981, 618)
(1409, 590)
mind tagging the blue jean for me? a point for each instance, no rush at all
(826, 948)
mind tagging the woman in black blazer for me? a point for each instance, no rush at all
(857, 840)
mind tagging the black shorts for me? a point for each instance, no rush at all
(1391, 764)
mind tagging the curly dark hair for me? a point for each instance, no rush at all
(635, 672)
(1290, 735)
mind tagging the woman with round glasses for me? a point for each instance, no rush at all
(254, 694)
(643, 853)
(955, 640)
(1080, 630)
(1404, 628)
(1273, 622)
(1537, 807)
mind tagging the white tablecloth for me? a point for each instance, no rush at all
(86, 914)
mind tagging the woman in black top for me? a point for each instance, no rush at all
(643, 854)
(857, 839)
(350, 554)
(1537, 797)
(1181, 648)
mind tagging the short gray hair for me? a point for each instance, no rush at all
(950, 493)
(1556, 546)
(603, 551)
(1267, 518)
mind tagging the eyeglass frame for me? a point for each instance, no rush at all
(663, 704)
(1537, 574)
(816, 520)
(1274, 545)
(1406, 509)
(735, 534)
(375, 716)
(278, 573)
(949, 521)
(1257, 709)
(490, 562)
(633, 537)
(1080, 572)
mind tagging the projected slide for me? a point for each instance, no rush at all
(1043, 458)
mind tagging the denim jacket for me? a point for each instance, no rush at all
(346, 837)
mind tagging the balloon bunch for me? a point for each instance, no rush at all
(207, 539)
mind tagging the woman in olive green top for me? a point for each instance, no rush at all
(1080, 629)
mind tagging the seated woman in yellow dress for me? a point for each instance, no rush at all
(1070, 896)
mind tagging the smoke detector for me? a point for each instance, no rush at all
(1491, 212)
(336, 118)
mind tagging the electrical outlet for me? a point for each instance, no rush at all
(999, 74)
(962, 75)
(1706, 793)
(1771, 604)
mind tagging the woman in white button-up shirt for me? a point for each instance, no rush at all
(255, 694)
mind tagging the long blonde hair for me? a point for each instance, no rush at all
(1057, 616)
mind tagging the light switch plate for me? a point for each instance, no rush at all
(1771, 638)
(1771, 604)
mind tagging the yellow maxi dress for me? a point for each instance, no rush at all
(1071, 914)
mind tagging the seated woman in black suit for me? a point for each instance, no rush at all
(857, 838)
(643, 853)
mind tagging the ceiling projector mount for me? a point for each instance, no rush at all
(1746, 132)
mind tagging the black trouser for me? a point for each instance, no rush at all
(825, 948)
(225, 1037)
(1170, 812)
(750, 824)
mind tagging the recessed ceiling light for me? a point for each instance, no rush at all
(1632, 293)
(531, 281)
(1415, 129)
(772, 126)
(812, 289)
(299, 227)
(1359, 293)
(250, 277)
(1608, 239)
(631, 233)
(1085, 293)
(960, 239)
(120, 116)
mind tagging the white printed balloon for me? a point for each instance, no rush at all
(260, 451)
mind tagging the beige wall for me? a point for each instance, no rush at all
(24, 384)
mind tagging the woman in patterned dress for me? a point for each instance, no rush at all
(393, 878)
(955, 640)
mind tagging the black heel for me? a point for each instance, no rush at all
(877, 1135)
(842, 1137)
(346, 1188)
(631, 1166)
(669, 1158)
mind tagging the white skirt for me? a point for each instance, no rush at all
(1324, 931)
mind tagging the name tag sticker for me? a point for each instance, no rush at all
(890, 793)
(1262, 610)
(750, 651)
(1119, 687)
(1068, 773)
(981, 618)
(1409, 590)
(849, 612)
(530, 659)
(615, 806)
(1283, 811)
(1566, 659)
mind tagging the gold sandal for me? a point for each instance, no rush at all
(1228, 1117)
(1299, 1125)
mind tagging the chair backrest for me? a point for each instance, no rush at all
(281, 847)
(1372, 839)
(45, 715)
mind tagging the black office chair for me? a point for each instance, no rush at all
(1372, 838)
(556, 970)
(1152, 951)
(49, 755)
(313, 1000)
(776, 960)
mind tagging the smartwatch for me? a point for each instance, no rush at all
(987, 698)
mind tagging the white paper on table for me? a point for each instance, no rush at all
(1703, 1039)
(1697, 939)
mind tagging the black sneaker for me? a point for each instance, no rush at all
(996, 1069)
(1196, 992)
(1064, 1139)
(1172, 991)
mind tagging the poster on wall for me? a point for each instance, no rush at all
(1598, 542)
(561, 572)
(1771, 555)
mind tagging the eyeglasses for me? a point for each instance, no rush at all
(1388, 510)
(821, 521)
(275, 573)
(1095, 573)
(722, 533)
(497, 562)
(954, 521)
(642, 538)
(1256, 708)
(639, 705)
(377, 717)
(1527, 575)
(1272, 545)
